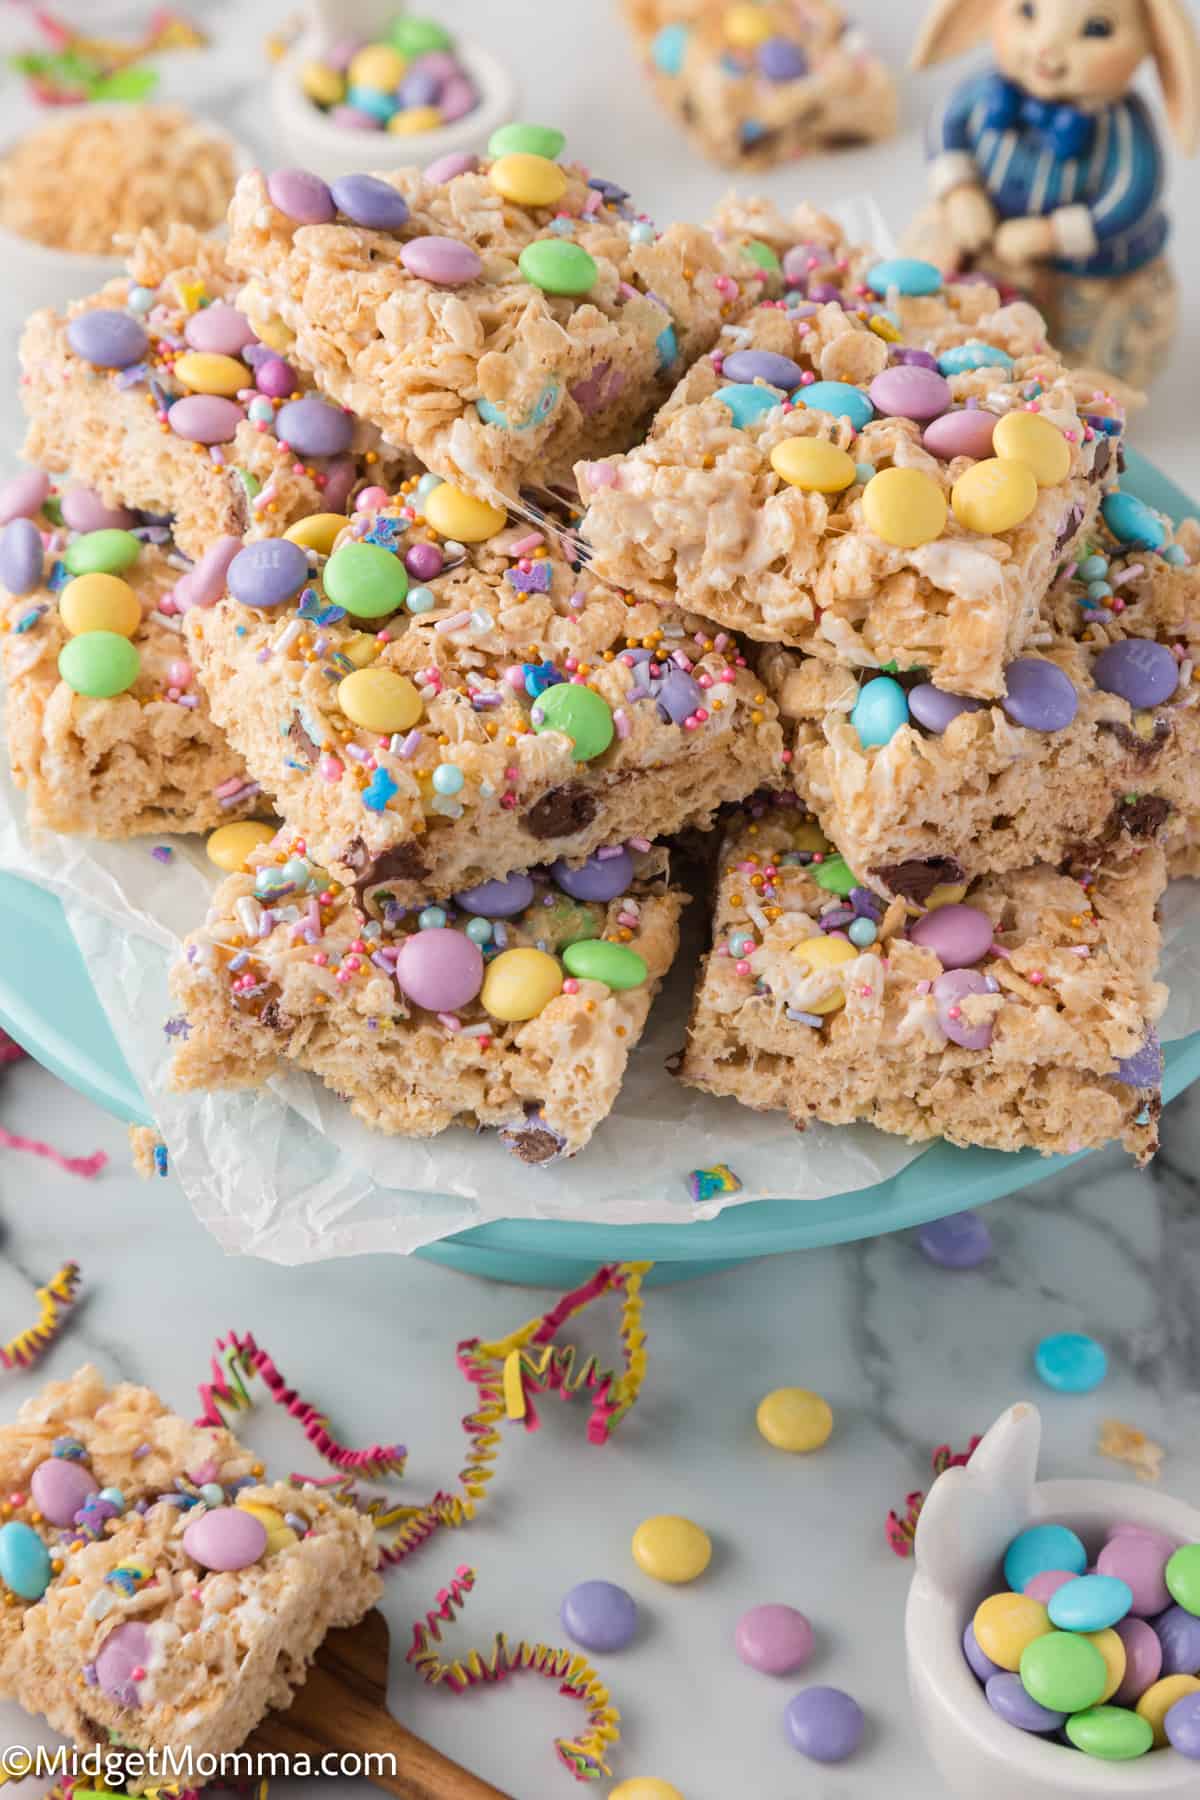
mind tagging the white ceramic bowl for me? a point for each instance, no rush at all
(37, 275)
(968, 1521)
(311, 140)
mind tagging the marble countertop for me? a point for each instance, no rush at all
(908, 1355)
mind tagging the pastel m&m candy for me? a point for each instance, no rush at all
(528, 180)
(209, 372)
(526, 140)
(319, 531)
(460, 516)
(879, 712)
(1042, 1547)
(521, 983)
(671, 1548)
(580, 713)
(99, 664)
(1062, 1670)
(994, 495)
(1158, 1700)
(1090, 1603)
(596, 959)
(794, 1419)
(99, 603)
(1111, 1733)
(1031, 439)
(365, 579)
(825, 1724)
(905, 507)
(1071, 1362)
(1006, 1624)
(1183, 1578)
(821, 952)
(379, 700)
(558, 267)
(102, 553)
(230, 845)
(813, 465)
(645, 1787)
(600, 1615)
(776, 1639)
(440, 969)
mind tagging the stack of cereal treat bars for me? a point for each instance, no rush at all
(455, 540)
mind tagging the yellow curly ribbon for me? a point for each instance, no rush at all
(24, 1350)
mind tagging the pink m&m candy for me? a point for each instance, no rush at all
(1139, 1562)
(59, 1488)
(440, 969)
(1143, 1659)
(220, 328)
(1045, 1585)
(965, 433)
(957, 935)
(774, 1638)
(226, 1538)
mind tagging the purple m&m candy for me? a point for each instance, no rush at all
(445, 168)
(677, 696)
(1143, 1660)
(267, 573)
(21, 497)
(779, 59)
(916, 359)
(950, 989)
(275, 377)
(84, 510)
(824, 1723)
(599, 1615)
(1140, 1564)
(108, 339)
(206, 580)
(1143, 1069)
(907, 391)
(220, 328)
(497, 899)
(1007, 1697)
(314, 427)
(370, 201)
(441, 260)
(424, 561)
(776, 1639)
(824, 292)
(981, 1666)
(1179, 1634)
(959, 1241)
(934, 709)
(21, 556)
(957, 935)
(1182, 1726)
(965, 433)
(60, 1487)
(341, 474)
(762, 365)
(353, 118)
(301, 195)
(600, 878)
(439, 969)
(205, 418)
(1141, 671)
(420, 87)
(123, 1651)
(226, 1538)
(1039, 695)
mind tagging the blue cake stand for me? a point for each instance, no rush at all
(48, 1004)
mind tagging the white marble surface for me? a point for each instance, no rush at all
(908, 1355)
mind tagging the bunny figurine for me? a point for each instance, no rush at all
(1047, 172)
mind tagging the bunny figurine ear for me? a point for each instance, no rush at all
(951, 28)
(973, 1513)
(1176, 53)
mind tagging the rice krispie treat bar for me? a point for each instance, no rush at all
(516, 1006)
(1097, 736)
(450, 696)
(874, 493)
(157, 392)
(1016, 1012)
(160, 1595)
(500, 318)
(763, 83)
(109, 732)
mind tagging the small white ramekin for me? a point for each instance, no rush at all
(971, 1516)
(311, 140)
(37, 275)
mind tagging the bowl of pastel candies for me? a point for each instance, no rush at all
(367, 85)
(1053, 1629)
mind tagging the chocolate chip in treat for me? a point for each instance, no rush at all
(533, 1142)
(1102, 458)
(402, 863)
(1143, 817)
(275, 1019)
(1141, 749)
(301, 742)
(916, 880)
(562, 812)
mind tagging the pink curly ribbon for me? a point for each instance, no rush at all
(88, 1166)
(10, 1050)
(899, 1531)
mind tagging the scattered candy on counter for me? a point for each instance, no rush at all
(600, 1615)
(825, 1724)
(1071, 1362)
(794, 1419)
(959, 1241)
(53, 1300)
(77, 67)
(705, 1184)
(1109, 1655)
(775, 1639)
(671, 1549)
(411, 81)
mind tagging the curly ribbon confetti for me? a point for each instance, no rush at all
(584, 1755)
(77, 67)
(238, 1357)
(88, 1166)
(53, 1300)
(10, 1050)
(900, 1532)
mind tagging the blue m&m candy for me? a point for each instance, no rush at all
(904, 275)
(747, 401)
(1133, 522)
(838, 398)
(1071, 1362)
(879, 712)
(1039, 1548)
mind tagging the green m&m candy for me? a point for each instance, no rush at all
(367, 580)
(1112, 1733)
(99, 664)
(834, 875)
(1182, 1577)
(595, 959)
(763, 255)
(558, 267)
(1063, 1671)
(102, 552)
(417, 37)
(526, 140)
(584, 716)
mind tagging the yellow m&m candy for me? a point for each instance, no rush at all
(527, 180)
(746, 27)
(823, 952)
(796, 1419)
(458, 515)
(206, 372)
(1006, 1624)
(645, 1787)
(994, 495)
(279, 1533)
(671, 1548)
(379, 700)
(1158, 1700)
(414, 119)
(99, 603)
(229, 845)
(320, 531)
(1027, 437)
(904, 507)
(376, 66)
(519, 984)
(323, 85)
(812, 464)
(1112, 1650)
